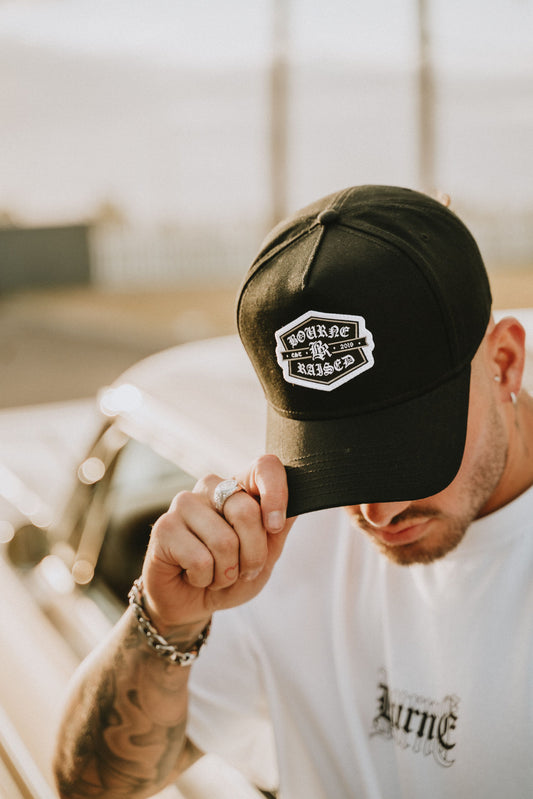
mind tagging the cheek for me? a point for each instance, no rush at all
(483, 462)
(485, 433)
(482, 417)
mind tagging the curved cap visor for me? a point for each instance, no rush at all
(404, 452)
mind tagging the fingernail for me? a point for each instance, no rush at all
(275, 521)
(249, 576)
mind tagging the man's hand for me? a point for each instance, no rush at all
(124, 727)
(199, 561)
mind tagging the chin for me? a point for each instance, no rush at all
(419, 552)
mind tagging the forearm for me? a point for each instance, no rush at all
(124, 727)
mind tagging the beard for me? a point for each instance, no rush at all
(446, 530)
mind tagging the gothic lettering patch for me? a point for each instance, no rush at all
(324, 350)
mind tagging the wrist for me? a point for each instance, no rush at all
(179, 644)
(176, 632)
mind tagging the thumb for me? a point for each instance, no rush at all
(267, 481)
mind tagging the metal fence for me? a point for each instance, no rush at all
(125, 257)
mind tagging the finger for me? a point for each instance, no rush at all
(267, 480)
(194, 537)
(244, 514)
(176, 550)
(217, 535)
(259, 548)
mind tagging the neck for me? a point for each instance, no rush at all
(518, 474)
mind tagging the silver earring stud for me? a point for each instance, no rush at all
(513, 398)
(497, 378)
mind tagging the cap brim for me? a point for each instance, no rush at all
(405, 452)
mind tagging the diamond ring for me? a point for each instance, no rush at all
(224, 491)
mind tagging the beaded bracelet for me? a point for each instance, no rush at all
(156, 641)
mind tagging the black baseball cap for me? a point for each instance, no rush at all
(361, 315)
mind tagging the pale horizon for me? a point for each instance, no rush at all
(161, 108)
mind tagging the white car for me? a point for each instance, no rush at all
(186, 411)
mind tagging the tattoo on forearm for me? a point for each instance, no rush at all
(130, 731)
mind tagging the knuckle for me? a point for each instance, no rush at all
(268, 459)
(204, 484)
(199, 567)
(225, 578)
(168, 521)
(255, 561)
(225, 545)
(198, 579)
(245, 511)
(182, 502)
(200, 562)
(164, 526)
(265, 464)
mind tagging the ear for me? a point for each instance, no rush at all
(506, 350)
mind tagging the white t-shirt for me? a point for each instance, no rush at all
(380, 681)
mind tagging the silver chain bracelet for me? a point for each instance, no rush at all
(154, 639)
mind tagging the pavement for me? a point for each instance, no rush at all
(65, 344)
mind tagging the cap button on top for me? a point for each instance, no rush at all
(328, 216)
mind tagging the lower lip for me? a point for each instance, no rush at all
(407, 536)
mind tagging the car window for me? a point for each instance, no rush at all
(140, 488)
(123, 486)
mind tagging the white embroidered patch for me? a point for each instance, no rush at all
(324, 350)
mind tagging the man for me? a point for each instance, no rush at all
(393, 664)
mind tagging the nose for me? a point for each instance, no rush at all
(381, 514)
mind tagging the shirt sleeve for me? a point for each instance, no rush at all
(228, 709)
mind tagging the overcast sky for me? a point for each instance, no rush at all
(89, 116)
(465, 32)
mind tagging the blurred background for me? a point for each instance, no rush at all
(148, 145)
(146, 148)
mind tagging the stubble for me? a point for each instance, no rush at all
(447, 530)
